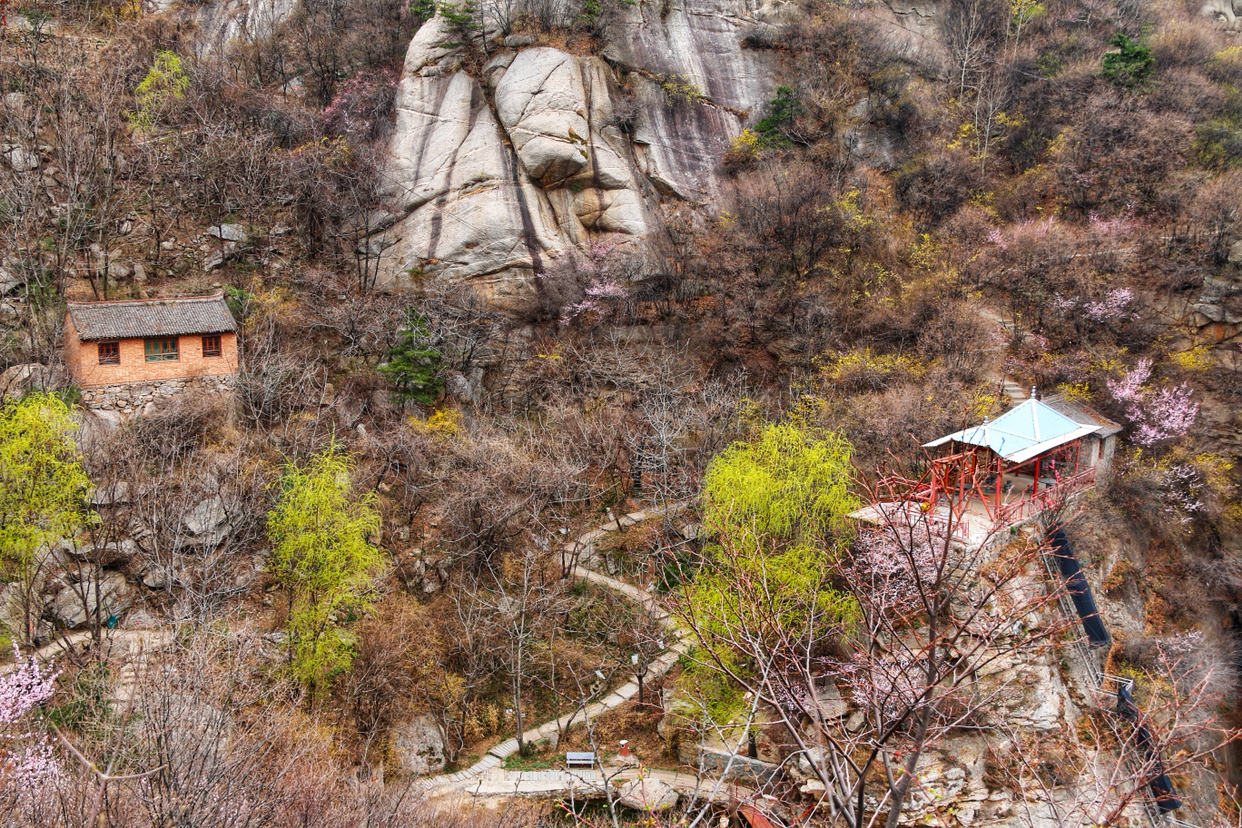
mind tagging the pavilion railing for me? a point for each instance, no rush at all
(1032, 504)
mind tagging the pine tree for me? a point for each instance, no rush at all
(413, 364)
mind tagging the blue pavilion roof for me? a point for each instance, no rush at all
(1027, 430)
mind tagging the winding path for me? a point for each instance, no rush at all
(136, 642)
(584, 546)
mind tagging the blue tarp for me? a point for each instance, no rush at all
(1078, 588)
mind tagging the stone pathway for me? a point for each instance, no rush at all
(584, 545)
(499, 782)
(483, 772)
(1016, 393)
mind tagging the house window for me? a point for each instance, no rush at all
(109, 353)
(211, 346)
(161, 348)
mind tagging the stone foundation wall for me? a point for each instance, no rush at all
(145, 397)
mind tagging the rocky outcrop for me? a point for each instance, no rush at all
(497, 178)
(542, 105)
(647, 795)
(19, 380)
(207, 524)
(1228, 13)
(79, 604)
(225, 22)
(418, 746)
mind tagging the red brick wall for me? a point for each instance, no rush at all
(82, 358)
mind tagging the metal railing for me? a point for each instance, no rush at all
(1099, 681)
(1079, 642)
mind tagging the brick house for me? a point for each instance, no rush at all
(126, 355)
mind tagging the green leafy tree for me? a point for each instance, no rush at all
(782, 109)
(166, 81)
(421, 11)
(1131, 64)
(789, 486)
(43, 489)
(776, 510)
(413, 364)
(323, 559)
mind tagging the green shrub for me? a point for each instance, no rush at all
(781, 111)
(679, 90)
(166, 81)
(413, 364)
(463, 20)
(421, 11)
(1218, 143)
(1131, 65)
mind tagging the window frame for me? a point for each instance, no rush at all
(113, 355)
(157, 354)
(213, 352)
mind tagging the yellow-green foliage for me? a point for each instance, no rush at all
(166, 81)
(43, 489)
(761, 593)
(679, 90)
(1024, 11)
(1195, 359)
(747, 142)
(777, 509)
(790, 484)
(721, 701)
(864, 370)
(443, 423)
(1075, 391)
(853, 214)
(978, 141)
(322, 557)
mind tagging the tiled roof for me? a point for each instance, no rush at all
(1082, 415)
(1024, 431)
(154, 317)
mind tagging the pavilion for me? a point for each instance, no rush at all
(1004, 472)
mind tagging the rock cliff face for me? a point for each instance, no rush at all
(1226, 12)
(497, 176)
(225, 22)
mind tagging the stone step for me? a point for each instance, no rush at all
(1015, 392)
(505, 749)
(494, 758)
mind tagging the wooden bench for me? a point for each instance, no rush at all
(579, 759)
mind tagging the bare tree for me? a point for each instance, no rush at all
(527, 597)
(973, 29)
(921, 648)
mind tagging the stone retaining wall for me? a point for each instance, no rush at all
(145, 397)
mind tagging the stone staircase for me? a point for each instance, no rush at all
(1016, 393)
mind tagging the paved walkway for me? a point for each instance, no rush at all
(494, 758)
(590, 784)
(481, 777)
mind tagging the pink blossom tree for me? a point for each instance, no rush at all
(922, 650)
(602, 292)
(29, 766)
(1156, 415)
